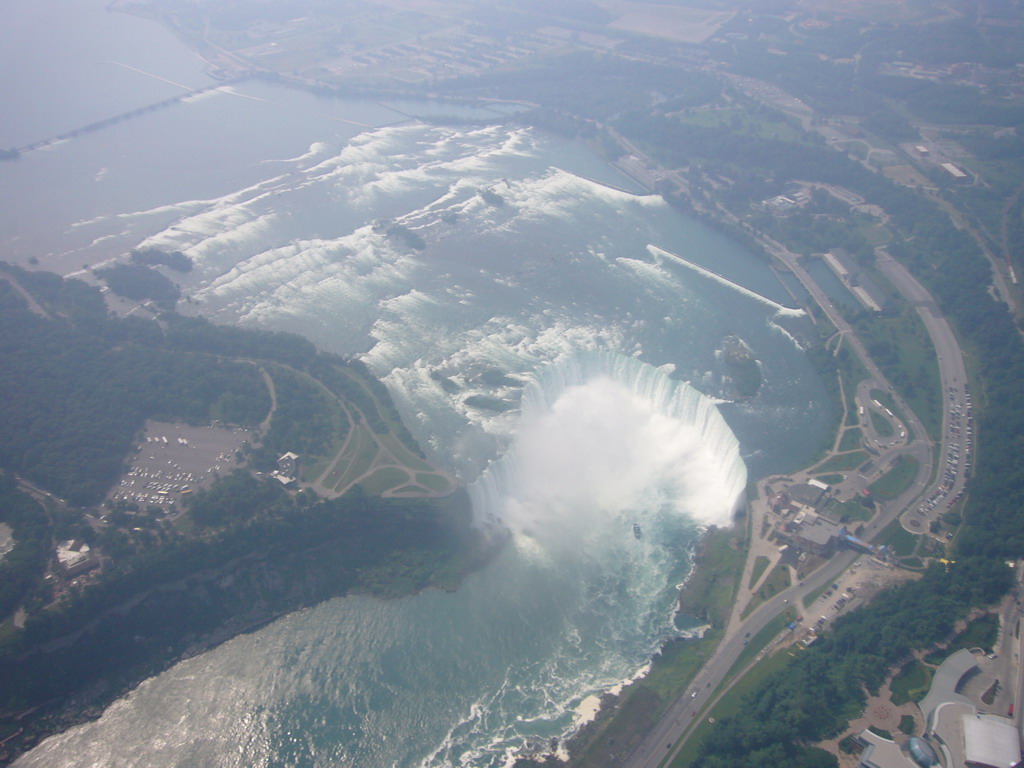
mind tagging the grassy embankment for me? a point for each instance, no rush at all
(380, 462)
(778, 580)
(898, 342)
(759, 566)
(842, 383)
(708, 595)
(898, 479)
(731, 701)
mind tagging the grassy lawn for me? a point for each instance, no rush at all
(898, 539)
(403, 455)
(358, 459)
(882, 425)
(759, 641)
(729, 704)
(711, 589)
(830, 479)
(436, 483)
(852, 372)
(843, 462)
(759, 565)
(740, 119)
(812, 596)
(384, 479)
(896, 480)
(911, 683)
(778, 580)
(849, 511)
(851, 439)
(903, 350)
(313, 465)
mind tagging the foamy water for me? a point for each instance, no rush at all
(539, 350)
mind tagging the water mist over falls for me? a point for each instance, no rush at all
(605, 438)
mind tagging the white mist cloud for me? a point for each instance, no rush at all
(603, 451)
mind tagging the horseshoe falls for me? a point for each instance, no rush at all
(574, 606)
(570, 376)
(606, 439)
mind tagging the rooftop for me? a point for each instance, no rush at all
(991, 741)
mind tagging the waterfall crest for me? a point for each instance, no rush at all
(605, 437)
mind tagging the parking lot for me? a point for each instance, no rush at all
(175, 459)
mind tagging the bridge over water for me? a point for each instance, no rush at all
(108, 121)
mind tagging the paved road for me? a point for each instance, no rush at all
(955, 443)
(664, 739)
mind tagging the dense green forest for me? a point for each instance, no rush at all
(736, 152)
(140, 283)
(77, 387)
(75, 390)
(277, 553)
(22, 567)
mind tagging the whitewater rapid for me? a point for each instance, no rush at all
(540, 351)
(604, 436)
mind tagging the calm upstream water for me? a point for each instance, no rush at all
(537, 333)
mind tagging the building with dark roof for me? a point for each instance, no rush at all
(806, 494)
(287, 471)
(863, 288)
(816, 534)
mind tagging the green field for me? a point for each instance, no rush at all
(843, 462)
(852, 373)
(851, 439)
(742, 119)
(898, 539)
(403, 455)
(433, 482)
(911, 683)
(903, 349)
(896, 480)
(759, 565)
(710, 590)
(384, 479)
(778, 580)
(882, 425)
(358, 458)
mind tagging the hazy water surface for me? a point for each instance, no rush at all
(534, 333)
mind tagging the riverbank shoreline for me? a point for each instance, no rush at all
(302, 578)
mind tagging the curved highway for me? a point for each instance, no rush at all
(667, 736)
